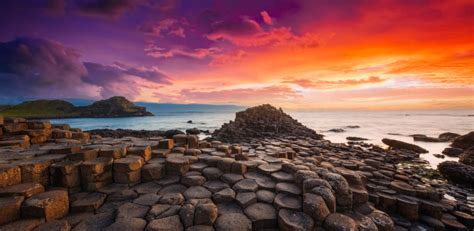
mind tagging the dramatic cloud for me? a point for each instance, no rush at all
(328, 84)
(266, 18)
(107, 8)
(36, 67)
(169, 26)
(198, 53)
(40, 68)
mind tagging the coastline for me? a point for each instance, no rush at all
(298, 179)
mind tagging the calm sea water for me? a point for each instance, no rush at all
(374, 125)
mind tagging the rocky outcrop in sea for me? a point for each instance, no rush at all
(263, 121)
(54, 177)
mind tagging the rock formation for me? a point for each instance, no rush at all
(53, 177)
(403, 145)
(262, 121)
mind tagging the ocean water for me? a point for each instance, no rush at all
(373, 125)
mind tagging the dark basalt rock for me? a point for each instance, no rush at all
(448, 136)
(355, 138)
(454, 152)
(467, 157)
(457, 172)
(262, 121)
(464, 141)
(170, 133)
(117, 106)
(403, 145)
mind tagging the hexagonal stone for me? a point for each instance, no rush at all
(269, 168)
(48, 205)
(148, 187)
(172, 199)
(177, 165)
(23, 224)
(128, 164)
(228, 207)
(167, 223)
(215, 185)
(159, 211)
(199, 166)
(96, 222)
(174, 188)
(287, 201)
(263, 182)
(337, 221)
(225, 195)
(265, 196)
(197, 192)
(231, 178)
(186, 213)
(26, 189)
(200, 228)
(56, 225)
(245, 185)
(263, 216)
(147, 199)
(282, 176)
(294, 220)
(288, 188)
(233, 222)
(205, 214)
(152, 171)
(88, 203)
(245, 199)
(10, 208)
(129, 210)
(132, 224)
(315, 207)
(193, 180)
(212, 173)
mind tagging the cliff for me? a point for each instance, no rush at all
(117, 106)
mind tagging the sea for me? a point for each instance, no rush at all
(372, 125)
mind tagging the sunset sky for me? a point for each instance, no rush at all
(298, 54)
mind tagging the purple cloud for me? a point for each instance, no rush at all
(40, 68)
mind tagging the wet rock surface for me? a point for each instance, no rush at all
(273, 180)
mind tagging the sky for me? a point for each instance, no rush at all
(297, 54)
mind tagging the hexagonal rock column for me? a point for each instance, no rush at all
(10, 209)
(144, 152)
(128, 170)
(294, 220)
(26, 190)
(96, 173)
(152, 171)
(34, 170)
(48, 205)
(177, 165)
(9, 175)
(66, 174)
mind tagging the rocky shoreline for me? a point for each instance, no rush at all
(254, 176)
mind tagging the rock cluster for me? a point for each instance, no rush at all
(183, 183)
(461, 172)
(262, 121)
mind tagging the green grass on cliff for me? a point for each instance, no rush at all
(41, 108)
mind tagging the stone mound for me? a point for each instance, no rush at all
(262, 121)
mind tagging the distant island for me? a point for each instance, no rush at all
(116, 106)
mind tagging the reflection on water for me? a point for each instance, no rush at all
(374, 125)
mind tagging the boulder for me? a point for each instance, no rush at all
(467, 157)
(464, 142)
(403, 145)
(457, 172)
(453, 152)
(448, 136)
